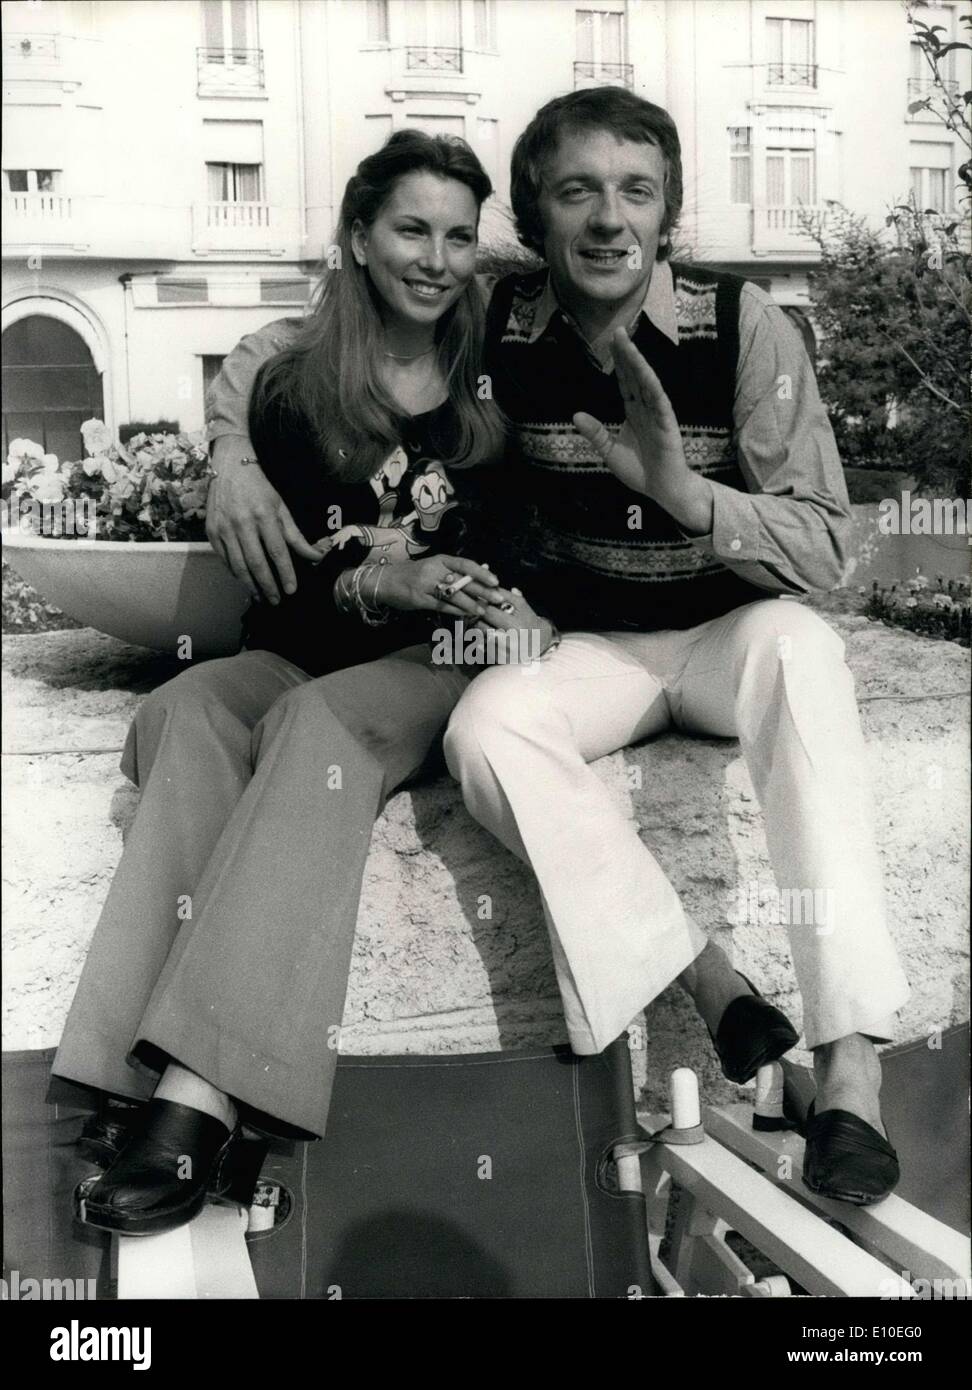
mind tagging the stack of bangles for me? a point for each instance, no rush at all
(349, 598)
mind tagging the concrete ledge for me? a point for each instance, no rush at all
(427, 974)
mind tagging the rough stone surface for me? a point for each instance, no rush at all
(428, 974)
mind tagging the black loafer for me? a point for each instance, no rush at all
(751, 1033)
(162, 1176)
(847, 1159)
(105, 1134)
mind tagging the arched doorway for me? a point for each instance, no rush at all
(50, 385)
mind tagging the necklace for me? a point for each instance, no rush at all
(409, 357)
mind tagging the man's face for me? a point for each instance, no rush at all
(602, 207)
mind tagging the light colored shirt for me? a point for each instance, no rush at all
(790, 533)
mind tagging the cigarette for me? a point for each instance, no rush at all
(457, 585)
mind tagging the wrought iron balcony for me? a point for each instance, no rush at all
(603, 74)
(234, 69)
(920, 88)
(791, 75)
(433, 60)
(39, 46)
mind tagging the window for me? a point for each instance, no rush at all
(790, 178)
(921, 82)
(32, 180)
(235, 183)
(600, 37)
(789, 53)
(433, 36)
(50, 385)
(212, 364)
(484, 23)
(376, 21)
(929, 188)
(931, 175)
(229, 29)
(740, 164)
(601, 43)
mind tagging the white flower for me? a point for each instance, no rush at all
(96, 435)
(94, 464)
(911, 603)
(46, 487)
(21, 449)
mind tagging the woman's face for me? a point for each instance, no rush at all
(420, 251)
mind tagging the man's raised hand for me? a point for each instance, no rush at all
(648, 455)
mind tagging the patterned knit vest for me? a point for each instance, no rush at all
(597, 555)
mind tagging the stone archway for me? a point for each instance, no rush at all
(51, 383)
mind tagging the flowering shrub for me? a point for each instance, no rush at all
(153, 488)
(940, 611)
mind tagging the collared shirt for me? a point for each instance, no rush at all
(791, 532)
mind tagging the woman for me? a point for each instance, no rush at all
(216, 977)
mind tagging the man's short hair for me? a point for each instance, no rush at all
(613, 109)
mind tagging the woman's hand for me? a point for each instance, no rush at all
(515, 633)
(427, 586)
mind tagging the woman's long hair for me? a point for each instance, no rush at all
(330, 376)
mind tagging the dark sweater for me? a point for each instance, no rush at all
(306, 627)
(580, 560)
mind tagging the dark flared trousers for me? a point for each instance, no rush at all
(225, 939)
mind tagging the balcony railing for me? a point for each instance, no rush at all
(42, 47)
(43, 219)
(782, 229)
(237, 227)
(229, 69)
(787, 219)
(791, 75)
(433, 60)
(251, 216)
(923, 92)
(48, 208)
(603, 74)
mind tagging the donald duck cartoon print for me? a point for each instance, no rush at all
(430, 495)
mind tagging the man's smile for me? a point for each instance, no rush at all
(603, 256)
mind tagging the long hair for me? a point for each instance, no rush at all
(626, 116)
(330, 377)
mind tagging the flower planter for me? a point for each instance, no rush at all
(151, 593)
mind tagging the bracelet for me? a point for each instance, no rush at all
(373, 615)
(215, 472)
(342, 591)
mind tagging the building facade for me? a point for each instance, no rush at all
(172, 170)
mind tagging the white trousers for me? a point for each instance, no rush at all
(771, 674)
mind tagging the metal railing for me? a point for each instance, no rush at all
(229, 67)
(433, 59)
(43, 46)
(921, 87)
(791, 74)
(610, 74)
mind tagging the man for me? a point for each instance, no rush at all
(682, 481)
